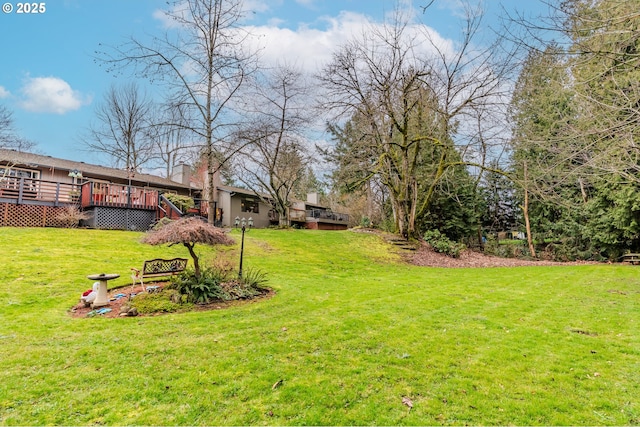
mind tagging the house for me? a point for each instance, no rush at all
(312, 215)
(36, 189)
(231, 202)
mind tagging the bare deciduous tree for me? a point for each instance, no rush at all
(274, 158)
(122, 129)
(203, 62)
(173, 141)
(8, 137)
(410, 96)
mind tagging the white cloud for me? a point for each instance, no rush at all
(311, 45)
(4, 93)
(310, 48)
(307, 3)
(51, 95)
(307, 47)
(165, 20)
(259, 6)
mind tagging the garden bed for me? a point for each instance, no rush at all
(116, 302)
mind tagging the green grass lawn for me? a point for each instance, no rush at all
(351, 331)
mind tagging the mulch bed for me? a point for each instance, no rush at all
(427, 257)
(115, 303)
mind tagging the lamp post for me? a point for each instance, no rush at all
(244, 224)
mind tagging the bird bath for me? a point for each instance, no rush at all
(102, 298)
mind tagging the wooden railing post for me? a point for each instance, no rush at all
(57, 200)
(20, 190)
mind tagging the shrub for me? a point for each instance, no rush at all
(214, 284)
(505, 249)
(254, 278)
(365, 222)
(161, 223)
(200, 290)
(184, 203)
(237, 289)
(164, 302)
(442, 244)
(71, 216)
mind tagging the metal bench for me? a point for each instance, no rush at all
(158, 268)
(632, 259)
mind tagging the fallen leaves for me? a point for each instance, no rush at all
(408, 402)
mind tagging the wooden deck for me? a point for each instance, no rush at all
(118, 196)
(49, 193)
(35, 191)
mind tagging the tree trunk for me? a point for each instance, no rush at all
(525, 212)
(196, 264)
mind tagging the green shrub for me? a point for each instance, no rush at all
(216, 284)
(161, 223)
(504, 249)
(237, 289)
(203, 289)
(442, 244)
(165, 301)
(365, 222)
(254, 278)
(183, 203)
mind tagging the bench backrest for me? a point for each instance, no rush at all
(159, 265)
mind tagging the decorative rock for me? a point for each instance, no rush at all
(128, 311)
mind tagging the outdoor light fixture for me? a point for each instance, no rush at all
(131, 173)
(244, 223)
(75, 174)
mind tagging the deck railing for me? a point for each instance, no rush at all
(299, 215)
(328, 215)
(27, 190)
(118, 196)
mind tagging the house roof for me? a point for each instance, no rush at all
(238, 190)
(88, 170)
(231, 189)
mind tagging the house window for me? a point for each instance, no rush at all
(19, 173)
(249, 204)
(10, 178)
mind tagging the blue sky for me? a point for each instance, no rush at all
(51, 82)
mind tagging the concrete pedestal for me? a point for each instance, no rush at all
(102, 298)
